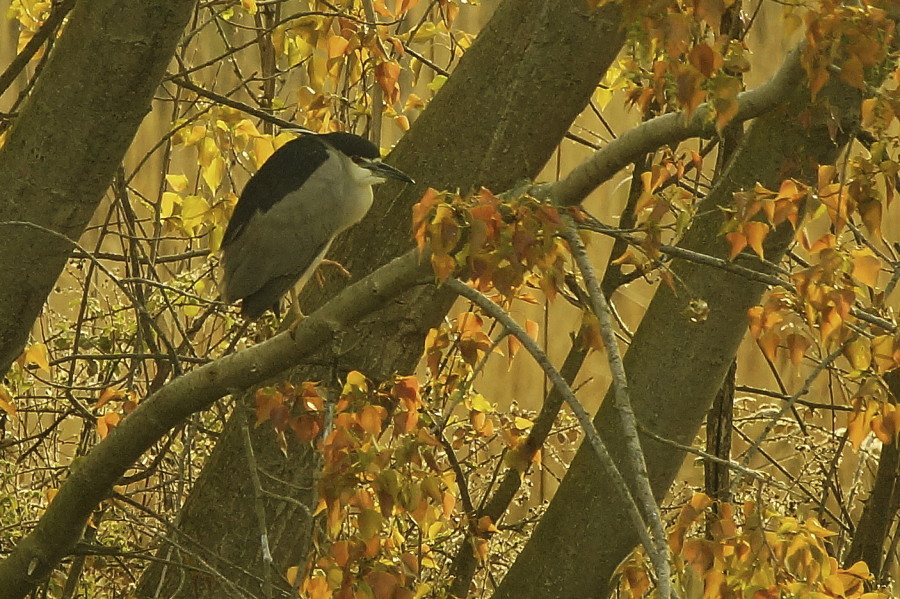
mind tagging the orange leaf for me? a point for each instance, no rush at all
(797, 346)
(370, 419)
(106, 423)
(406, 5)
(737, 241)
(387, 75)
(698, 553)
(443, 266)
(860, 422)
(337, 46)
(341, 552)
(871, 212)
(768, 343)
(756, 233)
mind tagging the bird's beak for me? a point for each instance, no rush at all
(381, 169)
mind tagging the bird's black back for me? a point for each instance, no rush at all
(286, 171)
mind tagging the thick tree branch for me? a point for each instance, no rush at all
(676, 366)
(93, 476)
(670, 129)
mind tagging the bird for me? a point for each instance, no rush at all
(309, 191)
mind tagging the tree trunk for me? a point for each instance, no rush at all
(497, 120)
(877, 519)
(69, 138)
(675, 367)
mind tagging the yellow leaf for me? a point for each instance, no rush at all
(246, 129)
(858, 353)
(358, 380)
(284, 137)
(602, 97)
(193, 211)
(413, 102)
(249, 6)
(37, 355)
(213, 173)
(437, 83)
(207, 151)
(194, 134)
(369, 522)
(263, 148)
(177, 182)
(6, 401)
(523, 423)
(424, 33)
(402, 122)
(884, 352)
(167, 204)
(479, 402)
(216, 234)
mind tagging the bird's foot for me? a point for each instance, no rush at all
(337, 265)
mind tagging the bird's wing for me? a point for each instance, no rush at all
(288, 240)
(285, 171)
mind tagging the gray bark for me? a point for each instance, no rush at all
(68, 139)
(674, 366)
(497, 120)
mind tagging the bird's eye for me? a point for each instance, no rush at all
(356, 159)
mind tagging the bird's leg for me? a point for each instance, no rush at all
(333, 264)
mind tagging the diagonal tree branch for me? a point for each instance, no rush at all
(91, 479)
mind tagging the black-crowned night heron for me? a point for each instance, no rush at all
(310, 190)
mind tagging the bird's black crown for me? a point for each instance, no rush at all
(352, 145)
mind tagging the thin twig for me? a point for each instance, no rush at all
(584, 419)
(789, 403)
(659, 555)
(259, 508)
(49, 27)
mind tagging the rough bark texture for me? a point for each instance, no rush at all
(68, 140)
(877, 519)
(719, 420)
(674, 367)
(497, 120)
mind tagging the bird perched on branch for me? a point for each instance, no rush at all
(309, 191)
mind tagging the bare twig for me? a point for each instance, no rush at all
(789, 403)
(49, 27)
(659, 554)
(259, 508)
(584, 419)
